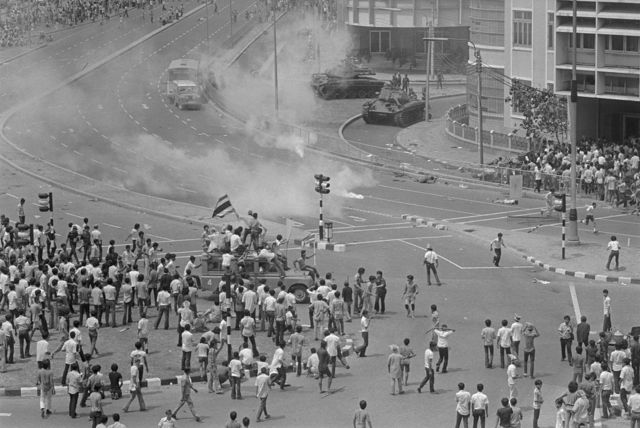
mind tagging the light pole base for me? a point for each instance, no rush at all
(572, 229)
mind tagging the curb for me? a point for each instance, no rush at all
(621, 280)
(421, 221)
(21, 54)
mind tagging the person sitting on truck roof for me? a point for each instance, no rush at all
(270, 256)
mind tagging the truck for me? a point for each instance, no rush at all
(254, 268)
(184, 84)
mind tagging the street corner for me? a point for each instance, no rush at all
(620, 280)
(427, 222)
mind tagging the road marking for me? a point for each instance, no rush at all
(359, 219)
(77, 152)
(144, 106)
(379, 241)
(5, 414)
(374, 229)
(416, 205)
(534, 210)
(112, 225)
(438, 195)
(159, 237)
(75, 215)
(119, 170)
(371, 212)
(574, 300)
(12, 196)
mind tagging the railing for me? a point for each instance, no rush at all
(457, 128)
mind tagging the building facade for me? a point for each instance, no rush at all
(535, 47)
(380, 27)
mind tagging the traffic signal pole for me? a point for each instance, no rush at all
(322, 187)
(320, 222)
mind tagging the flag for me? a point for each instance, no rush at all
(223, 207)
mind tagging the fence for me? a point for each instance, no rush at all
(458, 129)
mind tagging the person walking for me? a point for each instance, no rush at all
(163, 302)
(135, 390)
(504, 341)
(361, 418)
(589, 216)
(74, 385)
(263, 386)
(409, 296)
(479, 406)
(634, 407)
(407, 354)
(428, 368)
(614, 251)
(530, 333)
(512, 375)
(235, 375)
(606, 308)
(565, 330)
(394, 367)
(186, 386)
(44, 381)
(496, 246)
(431, 263)
(365, 321)
(463, 406)
(488, 335)
(323, 366)
(443, 346)
(607, 387)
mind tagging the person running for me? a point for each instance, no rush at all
(589, 216)
(488, 335)
(431, 263)
(186, 386)
(409, 295)
(496, 246)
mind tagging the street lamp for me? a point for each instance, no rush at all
(427, 94)
(476, 54)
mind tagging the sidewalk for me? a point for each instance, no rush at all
(539, 245)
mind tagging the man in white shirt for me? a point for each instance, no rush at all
(428, 368)
(479, 406)
(512, 375)
(504, 341)
(187, 347)
(246, 356)
(443, 346)
(277, 367)
(431, 263)
(333, 348)
(516, 334)
(463, 406)
(606, 306)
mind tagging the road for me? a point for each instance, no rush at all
(113, 99)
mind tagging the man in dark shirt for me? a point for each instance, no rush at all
(504, 414)
(323, 366)
(582, 332)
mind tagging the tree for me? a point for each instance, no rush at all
(545, 114)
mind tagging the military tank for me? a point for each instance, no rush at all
(347, 80)
(393, 107)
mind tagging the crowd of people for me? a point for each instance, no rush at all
(605, 170)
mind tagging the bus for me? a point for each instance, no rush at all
(183, 83)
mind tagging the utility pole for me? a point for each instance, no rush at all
(427, 41)
(572, 235)
(479, 71)
(275, 57)
(230, 20)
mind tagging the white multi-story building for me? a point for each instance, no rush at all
(537, 49)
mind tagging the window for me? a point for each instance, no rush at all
(632, 44)
(379, 41)
(588, 41)
(550, 30)
(616, 43)
(521, 28)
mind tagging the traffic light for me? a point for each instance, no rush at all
(560, 202)
(25, 234)
(45, 202)
(322, 184)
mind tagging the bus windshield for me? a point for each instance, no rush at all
(183, 74)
